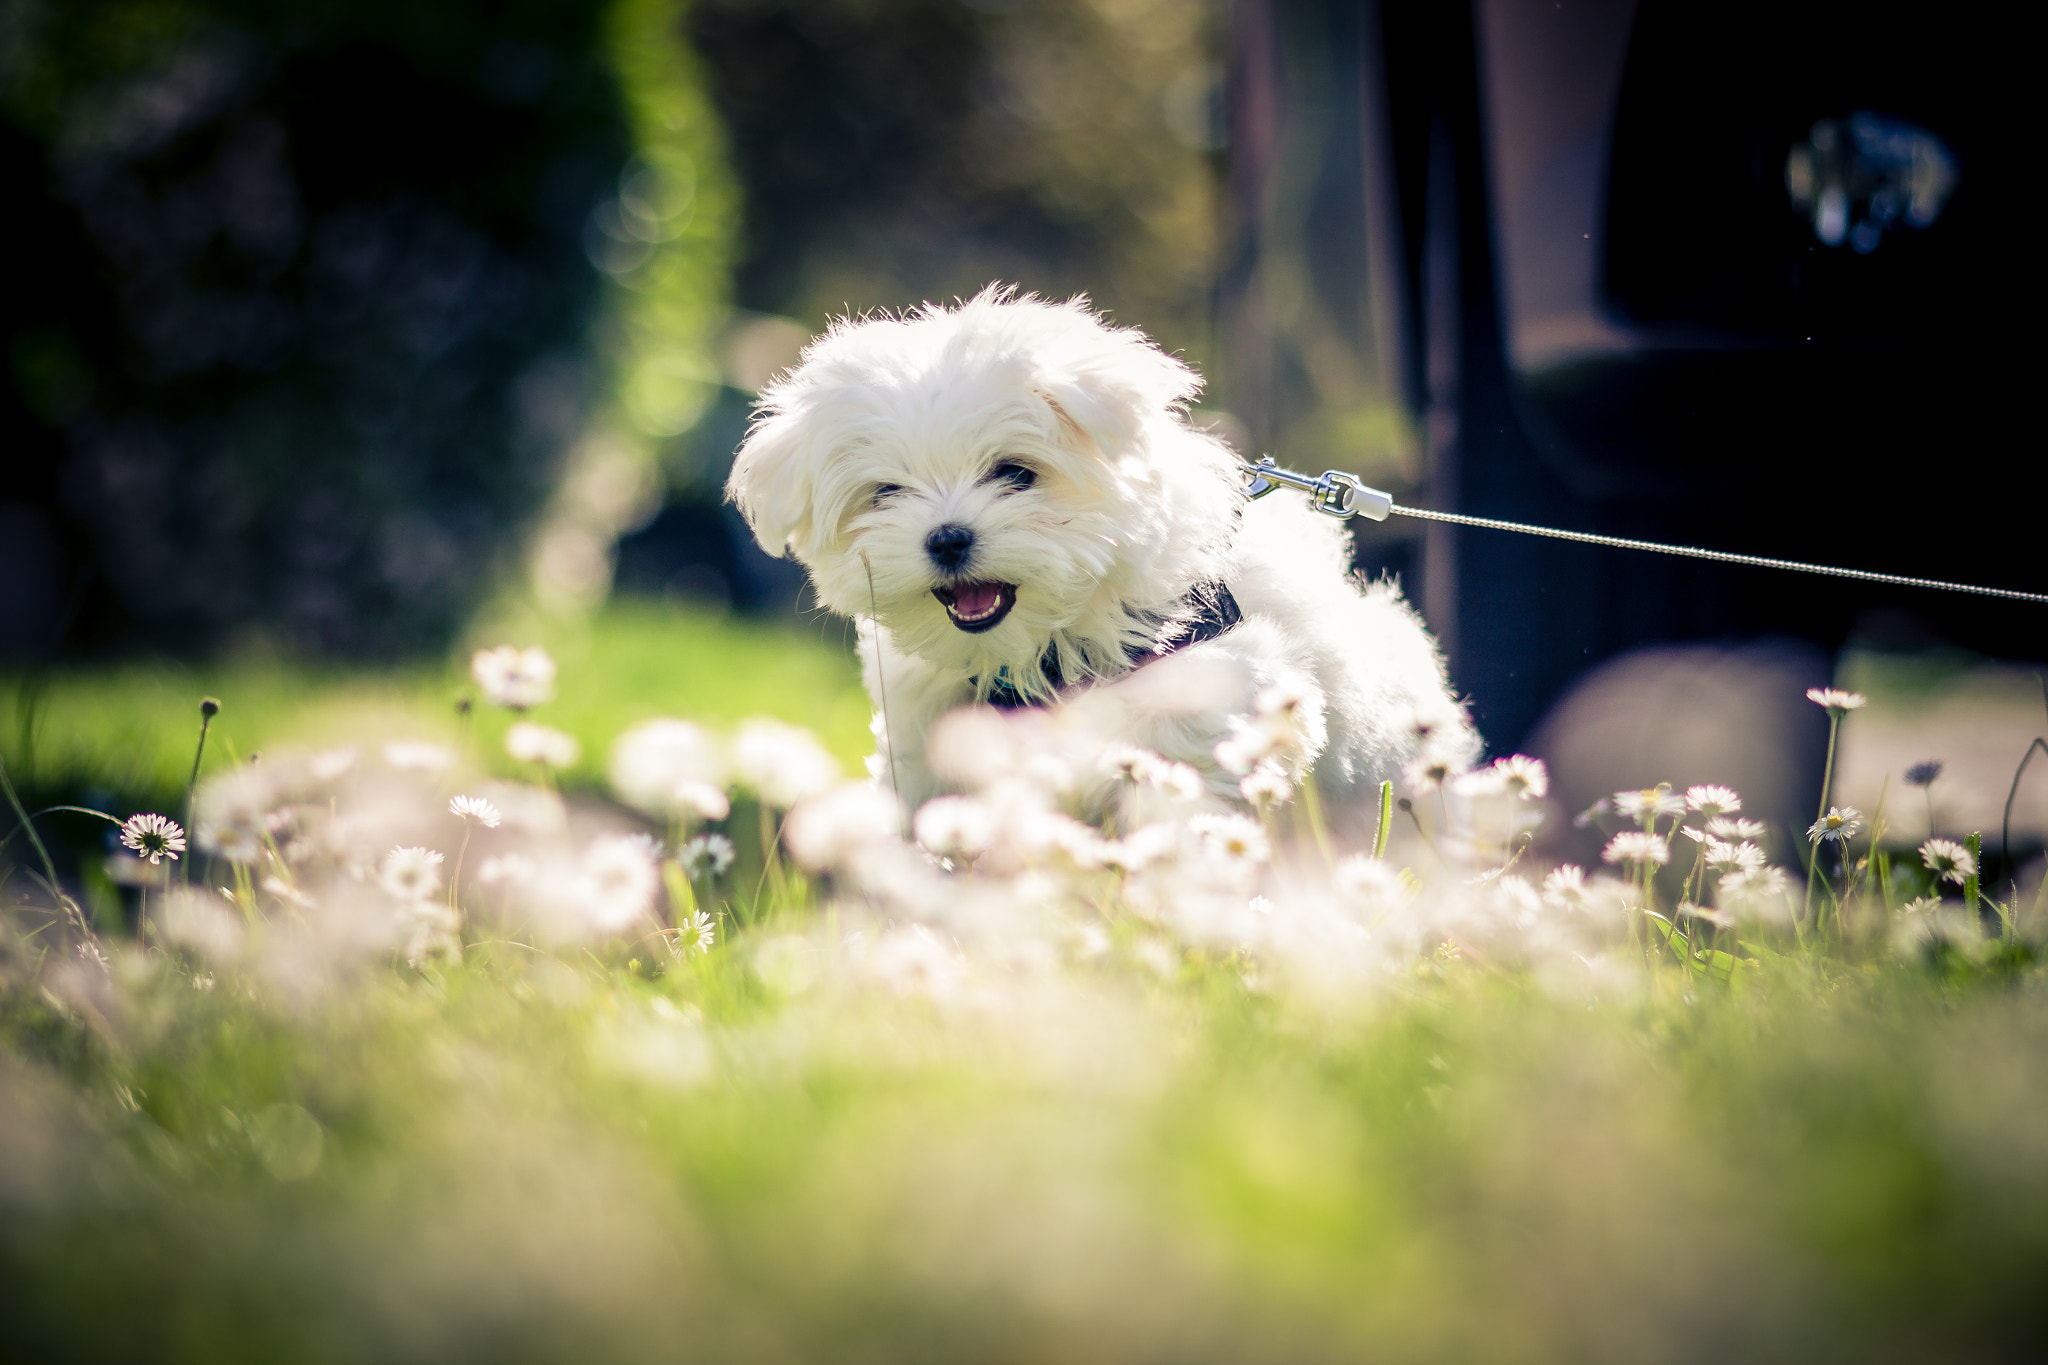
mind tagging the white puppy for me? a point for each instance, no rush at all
(1009, 490)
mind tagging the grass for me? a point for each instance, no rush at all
(524, 1159)
(127, 731)
(837, 1135)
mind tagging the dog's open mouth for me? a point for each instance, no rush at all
(976, 607)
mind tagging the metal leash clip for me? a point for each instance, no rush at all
(1341, 495)
(1336, 493)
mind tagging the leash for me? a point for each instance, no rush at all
(1342, 495)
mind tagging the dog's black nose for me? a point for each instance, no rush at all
(949, 547)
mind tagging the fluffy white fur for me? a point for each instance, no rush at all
(892, 427)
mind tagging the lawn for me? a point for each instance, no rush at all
(128, 730)
(1060, 1097)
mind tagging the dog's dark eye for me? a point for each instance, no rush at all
(886, 491)
(1014, 474)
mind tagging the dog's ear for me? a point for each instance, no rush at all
(770, 484)
(1103, 384)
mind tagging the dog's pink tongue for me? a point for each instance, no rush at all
(973, 600)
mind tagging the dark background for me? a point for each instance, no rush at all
(1751, 390)
(297, 316)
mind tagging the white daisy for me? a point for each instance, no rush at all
(475, 808)
(1243, 751)
(1948, 860)
(1646, 805)
(781, 763)
(1763, 893)
(1427, 774)
(1142, 847)
(1720, 919)
(1566, 886)
(329, 764)
(1176, 780)
(697, 931)
(514, 678)
(705, 857)
(1742, 857)
(1711, 801)
(1272, 733)
(1363, 878)
(419, 756)
(827, 831)
(1126, 762)
(1480, 784)
(956, 827)
(672, 769)
(1236, 838)
(530, 743)
(431, 930)
(1837, 701)
(1523, 776)
(410, 874)
(231, 813)
(153, 837)
(617, 882)
(1839, 824)
(1636, 846)
(1264, 786)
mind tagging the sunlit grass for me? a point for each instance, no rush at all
(1014, 1109)
(528, 1159)
(128, 730)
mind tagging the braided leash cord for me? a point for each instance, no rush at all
(1719, 556)
(1342, 495)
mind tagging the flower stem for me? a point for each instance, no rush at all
(1379, 843)
(1972, 898)
(1423, 834)
(1877, 833)
(1638, 915)
(1698, 877)
(455, 879)
(1812, 865)
(1827, 774)
(208, 709)
(1312, 806)
(50, 868)
(772, 875)
(881, 684)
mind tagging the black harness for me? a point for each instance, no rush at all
(1215, 612)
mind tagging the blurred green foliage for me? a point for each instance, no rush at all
(664, 243)
(894, 151)
(666, 238)
(309, 318)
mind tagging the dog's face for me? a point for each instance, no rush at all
(986, 480)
